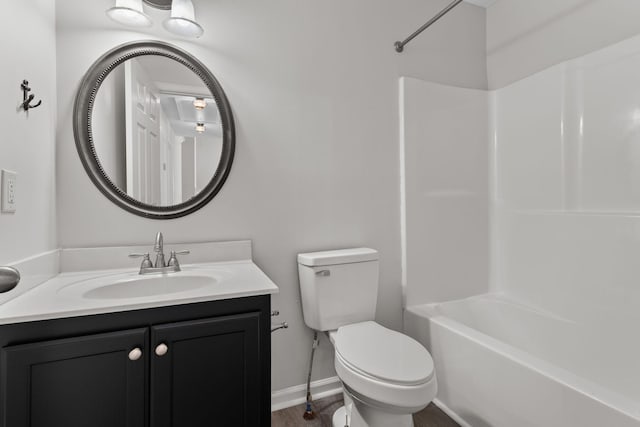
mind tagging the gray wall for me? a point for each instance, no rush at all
(27, 144)
(314, 90)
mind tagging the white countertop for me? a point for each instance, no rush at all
(46, 301)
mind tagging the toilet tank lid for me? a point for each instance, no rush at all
(340, 256)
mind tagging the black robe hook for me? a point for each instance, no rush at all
(26, 98)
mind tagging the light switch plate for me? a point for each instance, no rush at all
(8, 191)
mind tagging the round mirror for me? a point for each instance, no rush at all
(154, 130)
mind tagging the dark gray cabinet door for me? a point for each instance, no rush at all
(211, 374)
(76, 382)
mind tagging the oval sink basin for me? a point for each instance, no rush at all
(132, 285)
(149, 286)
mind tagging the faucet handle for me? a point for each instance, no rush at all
(173, 259)
(146, 261)
(135, 255)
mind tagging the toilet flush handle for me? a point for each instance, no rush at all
(323, 273)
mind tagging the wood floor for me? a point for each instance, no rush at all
(431, 416)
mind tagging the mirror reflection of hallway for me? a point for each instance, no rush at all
(157, 131)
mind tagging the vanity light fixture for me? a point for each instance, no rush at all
(129, 12)
(200, 127)
(183, 20)
(200, 104)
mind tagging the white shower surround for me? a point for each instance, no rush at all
(564, 192)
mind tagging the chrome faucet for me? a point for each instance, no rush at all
(158, 248)
(160, 266)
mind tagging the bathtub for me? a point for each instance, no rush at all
(503, 364)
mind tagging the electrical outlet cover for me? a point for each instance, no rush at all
(8, 191)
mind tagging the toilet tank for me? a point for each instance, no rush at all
(338, 287)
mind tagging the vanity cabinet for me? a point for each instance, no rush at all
(75, 382)
(210, 373)
(205, 364)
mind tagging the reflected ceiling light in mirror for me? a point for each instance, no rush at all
(183, 20)
(129, 12)
(200, 128)
(200, 104)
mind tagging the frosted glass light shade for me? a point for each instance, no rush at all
(183, 19)
(129, 12)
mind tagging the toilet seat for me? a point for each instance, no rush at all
(384, 366)
(384, 354)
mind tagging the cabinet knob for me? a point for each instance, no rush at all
(135, 354)
(162, 349)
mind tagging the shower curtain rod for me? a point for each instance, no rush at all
(400, 45)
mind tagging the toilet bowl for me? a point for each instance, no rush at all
(386, 376)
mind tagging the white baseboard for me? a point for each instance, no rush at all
(455, 417)
(296, 395)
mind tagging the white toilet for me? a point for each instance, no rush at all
(386, 376)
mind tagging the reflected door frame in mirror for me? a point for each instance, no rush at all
(82, 127)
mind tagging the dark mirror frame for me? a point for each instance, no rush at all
(83, 110)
